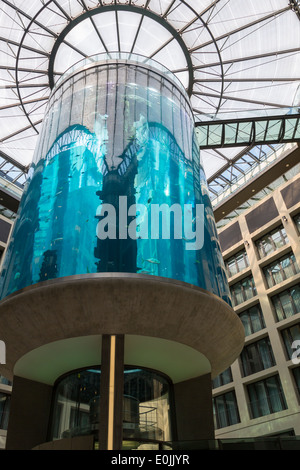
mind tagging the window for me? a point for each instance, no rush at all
(225, 410)
(287, 303)
(281, 269)
(223, 378)
(289, 335)
(266, 397)
(76, 396)
(296, 375)
(271, 241)
(236, 263)
(252, 319)
(4, 380)
(243, 290)
(257, 356)
(146, 404)
(4, 410)
(297, 222)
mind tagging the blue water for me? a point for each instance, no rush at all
(55, 234)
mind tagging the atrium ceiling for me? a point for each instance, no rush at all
(237, 59)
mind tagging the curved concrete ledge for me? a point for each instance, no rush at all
(113, 303)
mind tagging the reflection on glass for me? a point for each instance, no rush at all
(252, 319)
(281, 269)
(146, 405)
(296, 375)
(243, 290)
(266, 397)
(223, 378)
(111, 132)
(225, 410)
(74, 408)
(237, 263)
(289, 335)
(297, 222)
(148, 416)
(271, 241)
(287, 303)
(257, 356)
(4, 410)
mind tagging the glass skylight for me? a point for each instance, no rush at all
(235, 58)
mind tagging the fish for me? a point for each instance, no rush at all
(152, 260)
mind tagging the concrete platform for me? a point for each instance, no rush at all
(57, 325)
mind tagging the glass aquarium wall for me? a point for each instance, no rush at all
(116, 184)
(146, 405)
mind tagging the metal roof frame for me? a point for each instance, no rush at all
(211, 83)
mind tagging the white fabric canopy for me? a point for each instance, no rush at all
(234, 57)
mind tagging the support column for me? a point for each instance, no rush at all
(29, 414)
(194, 412)
(111, 393)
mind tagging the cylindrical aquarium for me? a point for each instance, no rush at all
(116, 184)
